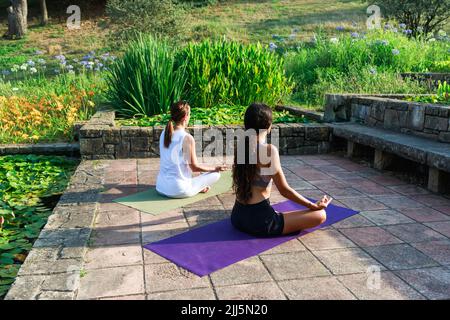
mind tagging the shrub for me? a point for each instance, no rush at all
(224, 72)
(216, 115)
(158, 17)
(146, 80)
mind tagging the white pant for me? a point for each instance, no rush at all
(198, 184)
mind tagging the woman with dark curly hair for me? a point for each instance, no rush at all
(254, 169)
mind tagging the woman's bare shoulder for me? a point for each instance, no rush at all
(189, 138)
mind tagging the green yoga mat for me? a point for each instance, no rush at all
(152, 202)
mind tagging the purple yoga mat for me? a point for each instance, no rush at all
(214, 246)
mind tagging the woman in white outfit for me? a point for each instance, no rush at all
(178, 159)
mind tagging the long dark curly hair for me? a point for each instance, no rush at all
(258, 117)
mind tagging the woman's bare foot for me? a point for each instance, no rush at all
(205, 190)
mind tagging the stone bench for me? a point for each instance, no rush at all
(434, 154)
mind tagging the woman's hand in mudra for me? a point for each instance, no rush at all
(221, 168)
(323, 203)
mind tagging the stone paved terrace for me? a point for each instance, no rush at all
(402, 229)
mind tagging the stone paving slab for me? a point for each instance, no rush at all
(386, 286)
(169, 277)
(191, 294)
(414, 232)
(441, 227)
(370, 236)
(317, 288)
(91, 248)
(347, 261)
(438, 250)
(111, 282)
(254, 291)
(243, 272)
(427, 215)
(113, 256)
(353, 222)
(294, 265)
(401, 256)
(433, 283)
(326, 239)
(386, 217)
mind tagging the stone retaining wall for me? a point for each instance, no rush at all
(427, 120)
(54, 149)
(101, 139)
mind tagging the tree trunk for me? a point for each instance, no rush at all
(44, 12)
(17, 19)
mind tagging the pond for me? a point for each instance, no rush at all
(30, 187)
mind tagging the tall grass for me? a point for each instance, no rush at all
(147, 79)
(356, 63)
(232, 73)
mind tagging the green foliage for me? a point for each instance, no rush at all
(360, 81)
(441, 66)
(12, 52)
(25, 184)
(158, 17)
(217, 115)
(146, 80)
(151, 75)
(442, 95)
(420, 16)
(360, 64)
(232, 73)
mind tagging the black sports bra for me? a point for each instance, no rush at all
(262, 181)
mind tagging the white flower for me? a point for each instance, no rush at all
(15, 89)
(23, 67)
(33, 70)
(334, 40)
(432, 40)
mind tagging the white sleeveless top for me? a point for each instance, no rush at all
(175, 175)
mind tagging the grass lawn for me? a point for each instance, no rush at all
(246, 21)
(251, 21)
